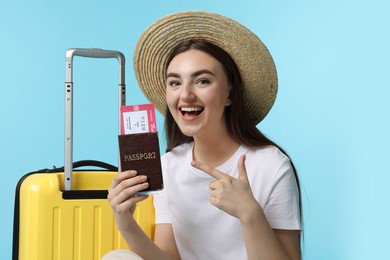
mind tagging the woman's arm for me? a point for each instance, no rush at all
(165, 240)
(262, 242)
(290, 240)
(123, 199)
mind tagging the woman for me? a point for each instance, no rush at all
(230, 193)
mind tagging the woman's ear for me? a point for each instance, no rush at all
(228, 101)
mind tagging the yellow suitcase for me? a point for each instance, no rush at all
(64, 214)
(79, 224)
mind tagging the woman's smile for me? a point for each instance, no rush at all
(190, 112)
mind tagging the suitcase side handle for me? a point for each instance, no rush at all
(90, 53)
(94, 163)
(85, 163)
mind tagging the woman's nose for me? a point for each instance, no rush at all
(187, 92)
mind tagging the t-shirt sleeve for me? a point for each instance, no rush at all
(162, 212)
(160, 199)
(282, 207)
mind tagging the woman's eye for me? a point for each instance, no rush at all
(173, 83)
(203, 82)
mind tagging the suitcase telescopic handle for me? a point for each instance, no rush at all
(89, 53)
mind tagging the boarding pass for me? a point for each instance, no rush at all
(138, 119)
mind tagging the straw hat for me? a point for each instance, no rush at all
(252, 57)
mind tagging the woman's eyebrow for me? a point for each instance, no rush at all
(200, 72)
(193, 75)
(173, 75)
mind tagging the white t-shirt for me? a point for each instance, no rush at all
(201, 230)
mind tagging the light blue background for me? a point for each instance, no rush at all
(331, 114)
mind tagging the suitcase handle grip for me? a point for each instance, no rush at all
(93, 163)
(91, 53)
(94, 53)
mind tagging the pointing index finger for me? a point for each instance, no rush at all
(208, 169)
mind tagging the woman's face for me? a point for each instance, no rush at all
(197, 92)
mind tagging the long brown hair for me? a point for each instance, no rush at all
(237, 120)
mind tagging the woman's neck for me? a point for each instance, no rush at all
(214, 151)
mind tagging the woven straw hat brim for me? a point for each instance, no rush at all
(252, 57)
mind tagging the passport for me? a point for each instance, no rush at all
(139, 148)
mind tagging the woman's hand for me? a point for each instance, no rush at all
(123, 199)
(232, 195)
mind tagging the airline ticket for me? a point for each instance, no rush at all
(138, 119)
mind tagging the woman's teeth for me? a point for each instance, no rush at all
(191, 109)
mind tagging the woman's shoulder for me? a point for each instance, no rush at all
(179, 151)
(271, 154)
(270, 162)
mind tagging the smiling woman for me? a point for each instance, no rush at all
(229, 191)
